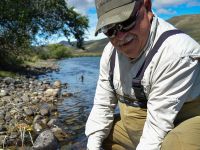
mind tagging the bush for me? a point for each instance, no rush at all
(54, 51)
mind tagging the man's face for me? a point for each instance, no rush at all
(132, 42)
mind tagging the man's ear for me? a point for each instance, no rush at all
(148, 5)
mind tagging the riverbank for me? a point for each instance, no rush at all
(29, 110)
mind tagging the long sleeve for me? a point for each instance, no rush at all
(100, 119)
(171, 87)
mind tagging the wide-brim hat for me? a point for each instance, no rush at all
(113, 11)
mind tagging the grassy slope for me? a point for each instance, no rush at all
(96, 45)
(190, 24)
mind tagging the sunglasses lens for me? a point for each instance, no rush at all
(110, 33)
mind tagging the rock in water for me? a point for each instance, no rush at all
(46, 141)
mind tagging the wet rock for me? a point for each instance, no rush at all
(46, 83)
(53, 108)
(46, 140)
(44, 121)
(57, 84)
(65, 94)
(52, 92)
(60, 134)
(52, 122)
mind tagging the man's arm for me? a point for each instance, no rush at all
(100, 119)
(171, 87)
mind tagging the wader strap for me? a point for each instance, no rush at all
(112, 66)
(136, 82)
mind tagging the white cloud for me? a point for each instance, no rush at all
(194, 3)
(81, 5)
(166, 11)
(164, 6)
(166, 3)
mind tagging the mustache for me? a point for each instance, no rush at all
(127, 39)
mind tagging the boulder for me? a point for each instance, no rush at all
(46, 140)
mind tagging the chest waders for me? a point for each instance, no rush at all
(133, 112)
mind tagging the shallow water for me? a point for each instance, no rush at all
(81, 74)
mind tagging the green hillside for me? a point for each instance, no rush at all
(96, 45)
(190, 24)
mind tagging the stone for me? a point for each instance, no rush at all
(52, 92)
(44, 111)
(37, 127)
(9, 80)
(65, 94)
(60, 134)
(25, 98)
(2, 128)
(46, 140)
(52, 122)
(3, 93)
(35, 93)
(57, 84)
(35, 101)
(37, 118)
(7, 116)
(28, 111)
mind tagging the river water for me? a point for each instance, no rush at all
(81, 74)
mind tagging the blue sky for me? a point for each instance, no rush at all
(163, 8)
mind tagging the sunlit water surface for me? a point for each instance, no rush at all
(73, 111)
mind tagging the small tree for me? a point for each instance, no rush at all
(21, 21)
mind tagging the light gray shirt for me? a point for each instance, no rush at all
(171, 79)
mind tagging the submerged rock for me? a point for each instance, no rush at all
(46, 141)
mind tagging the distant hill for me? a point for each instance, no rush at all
(190, 24)
(96, 45)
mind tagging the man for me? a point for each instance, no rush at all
(151, 70)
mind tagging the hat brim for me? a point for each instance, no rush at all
(116, 15)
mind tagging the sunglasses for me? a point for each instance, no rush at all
(111, 30)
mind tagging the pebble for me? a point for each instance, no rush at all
(28, 111)
(21, 102)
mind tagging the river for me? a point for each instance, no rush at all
(81, 74)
